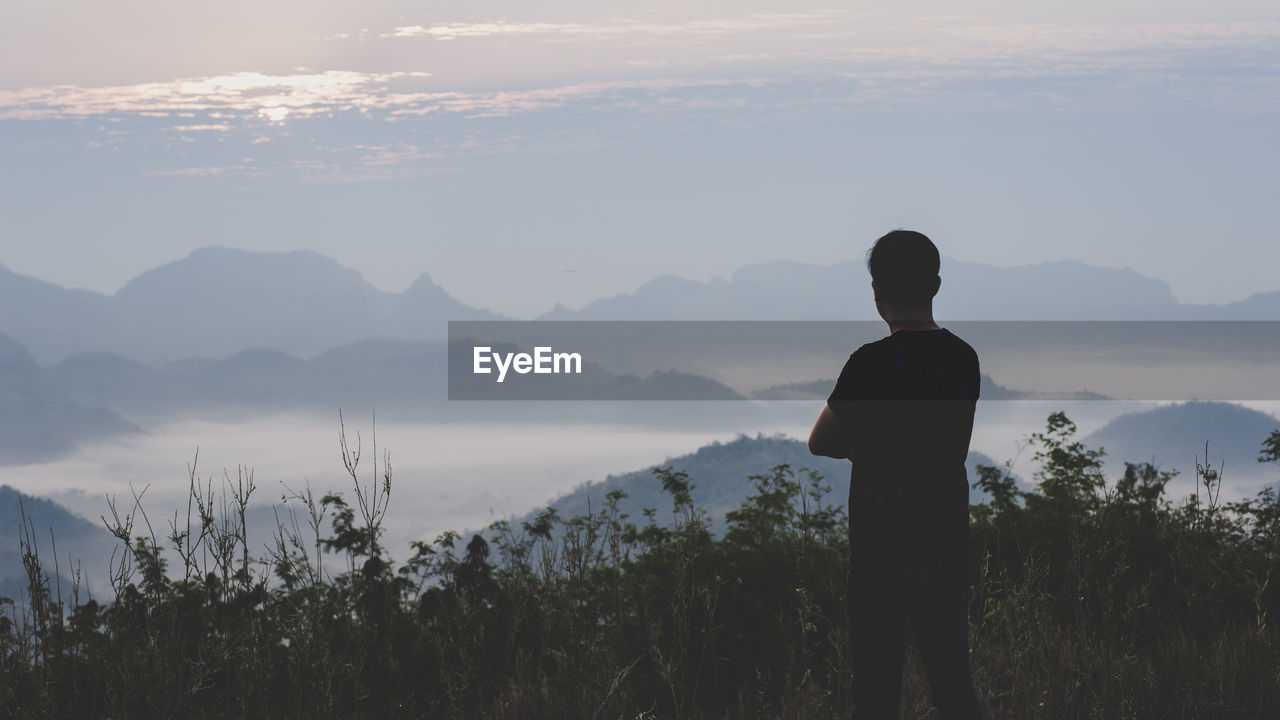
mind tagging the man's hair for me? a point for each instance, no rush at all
(904, 266)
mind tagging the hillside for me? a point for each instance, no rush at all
(1173, 437)
(76, 538)
(719, 472)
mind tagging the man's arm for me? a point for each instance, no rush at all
(831, 436)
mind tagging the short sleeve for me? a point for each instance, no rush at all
(851, 385)
(977, 378)
(968, 375)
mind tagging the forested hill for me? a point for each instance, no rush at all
(47, 522)
(1173, 437)
(720, 473)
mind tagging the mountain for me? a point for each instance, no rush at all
(719, 473)
(990, 390)
(76, 538)
(1259, 306)
(390, 374)
(1173, 437)
(808, 390)
(219, 301)
(970, 291)
(591, 381)
(38, 419)
(50, 320)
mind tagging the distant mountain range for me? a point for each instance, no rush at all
(39, 420)
(1064, 290)
(382, 373)
(388, 374)
(226, 328)
(217, 302)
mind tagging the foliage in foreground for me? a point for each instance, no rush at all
(1091, 599)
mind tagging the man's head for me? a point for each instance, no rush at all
(904, 270)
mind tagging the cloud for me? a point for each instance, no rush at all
(828, 65)
(272, 96)
(276, 98)
(839, 34)
(613, 29)
(936, 55)
(509, 102)
(1035, 47)
(207, 171)
(220, 127)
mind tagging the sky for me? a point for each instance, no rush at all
(531, 153)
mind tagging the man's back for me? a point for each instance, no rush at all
(909, 399)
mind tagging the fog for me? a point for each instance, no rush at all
(464, 475)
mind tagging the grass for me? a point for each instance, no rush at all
(1091, 599)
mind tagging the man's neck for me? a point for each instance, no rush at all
(897, 325)
(912, 319)
(906, 318)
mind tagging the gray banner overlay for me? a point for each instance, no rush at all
(800, 360)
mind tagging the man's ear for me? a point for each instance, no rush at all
(937, 283)
(874, 291)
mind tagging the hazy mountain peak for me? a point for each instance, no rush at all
(219, 300)
(424, 287)
(422, 281)
(224, 270)
(261, 356)
(666, 281)
(229, 252)
(1258, 306)
(1115, 284)
(792, 290)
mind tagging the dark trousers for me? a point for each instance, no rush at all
(888, 602)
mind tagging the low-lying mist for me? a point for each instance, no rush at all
(465, 474)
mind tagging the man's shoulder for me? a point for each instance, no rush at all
(960, 345)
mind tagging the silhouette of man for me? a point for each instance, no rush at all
(902, 412)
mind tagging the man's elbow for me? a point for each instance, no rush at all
(825, 448)
(814, 447)
(829, 436)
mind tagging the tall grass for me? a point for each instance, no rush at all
(1092, 599)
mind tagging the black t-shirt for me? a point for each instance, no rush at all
(910, 399)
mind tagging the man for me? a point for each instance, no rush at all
(902, 412)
